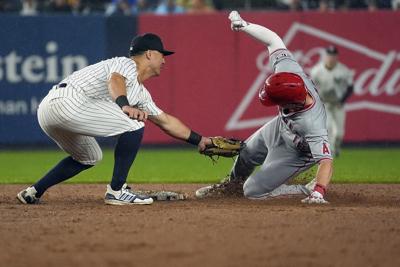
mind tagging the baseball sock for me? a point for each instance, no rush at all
(124, 154)
(65, 169)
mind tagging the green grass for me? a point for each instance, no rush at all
(150, 166)
(187, 166)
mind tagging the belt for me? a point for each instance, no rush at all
(61, 85)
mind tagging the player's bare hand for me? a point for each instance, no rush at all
(135, 113)
(315, 198)
(237, 23)
(142, 116)
(203, 143)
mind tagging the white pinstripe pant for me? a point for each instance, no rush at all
(72, 121)
(335, 121)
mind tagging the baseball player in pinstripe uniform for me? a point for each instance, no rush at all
(335, 86)
(103, 100)
(292, 142)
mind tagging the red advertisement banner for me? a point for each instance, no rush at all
(212, 81)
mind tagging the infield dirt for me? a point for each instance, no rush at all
(72, 227)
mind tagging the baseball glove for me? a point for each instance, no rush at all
(224, 147)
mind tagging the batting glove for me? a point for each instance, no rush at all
(237, 23)
(315, 198)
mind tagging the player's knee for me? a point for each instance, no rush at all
(248, 192)
(98, 158)
(91, 159)
(252, 190)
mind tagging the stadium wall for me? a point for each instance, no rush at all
(37, 52)
(211, 83)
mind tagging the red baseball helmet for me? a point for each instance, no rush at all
(283, 88)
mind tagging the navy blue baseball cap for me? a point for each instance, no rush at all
(332, 50)
(148, 41)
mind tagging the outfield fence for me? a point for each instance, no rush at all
(211, 83)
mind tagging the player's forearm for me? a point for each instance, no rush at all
(172, 126)
(324, 172)
(265, 36)
(177, 130)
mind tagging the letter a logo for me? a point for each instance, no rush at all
(325, 149)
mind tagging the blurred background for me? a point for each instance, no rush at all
(211, 83)
(131, 7)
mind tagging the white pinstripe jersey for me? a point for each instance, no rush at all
(73, 115)
(92, 82)
(332, 84)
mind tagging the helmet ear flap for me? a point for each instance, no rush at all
(283, 88)
(263, 96)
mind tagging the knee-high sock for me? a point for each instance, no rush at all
(124, 154)
(65, 169)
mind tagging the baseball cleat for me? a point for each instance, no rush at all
(225, 188)
(125, 196)
(204, 191)
(28, 196)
